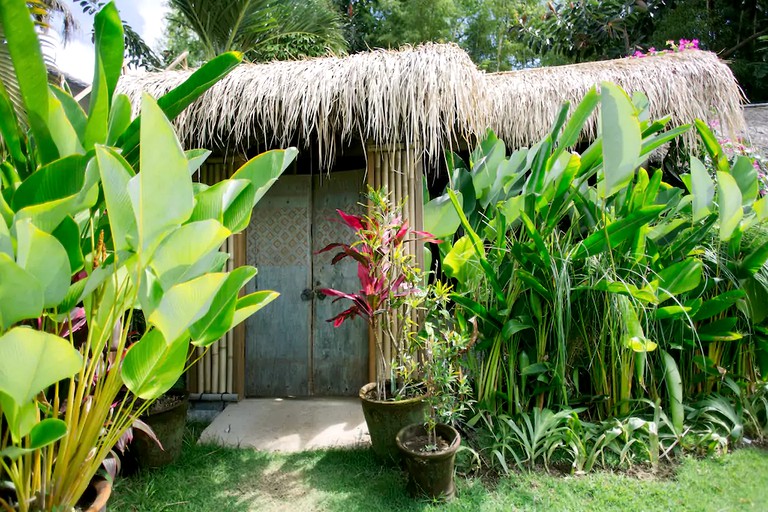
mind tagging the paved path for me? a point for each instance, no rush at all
(290, 424)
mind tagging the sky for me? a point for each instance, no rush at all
(146, 17)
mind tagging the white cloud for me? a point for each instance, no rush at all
(77, 59)
(153, 14)
(147, 17)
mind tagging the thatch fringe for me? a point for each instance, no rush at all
(686, 86)
(427, 97)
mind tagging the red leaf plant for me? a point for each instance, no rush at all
(391, 285)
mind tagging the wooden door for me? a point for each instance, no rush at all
(277, 352)
(340, 354)
(291, 349)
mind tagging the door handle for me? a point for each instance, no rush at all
(307, 293)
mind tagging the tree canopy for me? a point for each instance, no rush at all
(261, 29)
(497, 34)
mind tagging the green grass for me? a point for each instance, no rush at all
(210, 478)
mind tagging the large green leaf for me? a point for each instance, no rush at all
(62, 132)
(575, 124)
(185, 304)
(108, 35)
(179, 98)
(21, 418)
(621, 139)
(678, 278)
(219, 317)
(485, 161)
(718, 304)
(47, 213)
(31, 360)
(674, 385)
(115, 176)
(161, 194)
(48, 431)
(477, 244)
(119, 118)
(745, 175)
(9, 129)
(230, 202)
(729, 202)
(59, 179)
(660, 139)
(152, 366)
(440, 217)
(196, 158)
(462, 263)
(624, 288)
(6, 244)
(21, 295)
(110, 45)
(250, 304)
(68, 235)
(755, 260)
(97, 126)
(183, 255)
(617, 232)
(45, 258)
(702, 188)
(73, 110)
(712, 146)
(32, 75)
(263, 170)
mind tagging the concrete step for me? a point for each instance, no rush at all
(290, 424)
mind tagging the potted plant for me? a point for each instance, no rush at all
(429, 447)
(85, 240)
(389, 300)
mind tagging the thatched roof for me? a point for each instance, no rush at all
(426, 97)
(419, 96)
(686, 85)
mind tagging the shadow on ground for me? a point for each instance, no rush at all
(213, 478)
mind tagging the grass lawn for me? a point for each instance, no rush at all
(211, 478)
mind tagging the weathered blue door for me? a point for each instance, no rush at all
(291, 350)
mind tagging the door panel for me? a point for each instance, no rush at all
(277, 353)
(340, 354)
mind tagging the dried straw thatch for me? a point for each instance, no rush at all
(428, 96)
(418, 96)
(686, 85)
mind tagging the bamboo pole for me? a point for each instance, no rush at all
(236, 363)
(200, 370)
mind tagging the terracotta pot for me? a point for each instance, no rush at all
(386, 417)
(430, 473)
(168, 424)
(96, 496)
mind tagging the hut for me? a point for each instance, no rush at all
(382, 118)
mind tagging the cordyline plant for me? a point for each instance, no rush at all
(85, 240)
(390, 283)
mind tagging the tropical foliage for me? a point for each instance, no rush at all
(263, 30)
(595, 284)
(85, 239)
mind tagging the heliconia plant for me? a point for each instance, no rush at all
(391, 285)
(86, 239)
(594, 280)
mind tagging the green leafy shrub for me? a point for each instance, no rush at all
(85, 239)
(596, 283)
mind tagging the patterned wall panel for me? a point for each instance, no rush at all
(275, 234)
